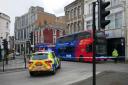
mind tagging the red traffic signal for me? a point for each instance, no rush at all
(31, 37)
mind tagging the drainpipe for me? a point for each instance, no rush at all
(125, 28)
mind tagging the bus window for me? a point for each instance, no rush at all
(69, 49)
(89, 48)
(60, 50)
(65, 39)
(83, 35)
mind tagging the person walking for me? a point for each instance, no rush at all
(115, 55)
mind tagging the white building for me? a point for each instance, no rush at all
(116, 30)
(4, 27)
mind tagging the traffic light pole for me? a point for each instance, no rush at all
(24, 60)
(98, 15)
(3, 65)
(94, 49)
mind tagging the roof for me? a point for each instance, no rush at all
(75, 33)
(42, 52)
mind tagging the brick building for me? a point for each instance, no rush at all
(47, 34)
(34, 20)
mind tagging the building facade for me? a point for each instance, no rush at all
(74, 16)
(4, 30)
(116, 30)
(4, 26)
(34, 20)
(48, 34)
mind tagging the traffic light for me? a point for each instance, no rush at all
(31, 37)
(5, 44)
(103, 13)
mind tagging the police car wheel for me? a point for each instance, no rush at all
(59, 65)
(31, 73)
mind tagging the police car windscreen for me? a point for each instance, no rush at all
(40, 56)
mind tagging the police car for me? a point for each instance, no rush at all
(44, 61)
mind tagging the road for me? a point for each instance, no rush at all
(69, 73)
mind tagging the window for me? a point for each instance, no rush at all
(54, 39)
(89, 25)
(54, 32)
(66, 39)
(69, 49)
(79, 10)
(45, 22)
(118, 20)
(61, 50)
(75, 27)
(72, 28)
(111, 25)
(16, 36)
(7, 25)
(75, 12)
(61, 32)
(68, 15)
(22, 34)
(115, 2)
(80, 26)
(72, 13)
(40, 56)
(90, 8)
(83, 35)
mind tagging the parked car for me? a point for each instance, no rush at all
(43, 62)
(17, 53)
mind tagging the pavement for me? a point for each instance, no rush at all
(13, 64)
(102, 78)
(106, 78)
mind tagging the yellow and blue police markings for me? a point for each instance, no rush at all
(50, 64)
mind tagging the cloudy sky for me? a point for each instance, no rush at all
(15, 8)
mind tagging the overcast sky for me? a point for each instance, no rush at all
(15, 8)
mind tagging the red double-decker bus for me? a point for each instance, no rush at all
(78, 46)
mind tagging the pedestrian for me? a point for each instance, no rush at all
(115, 55)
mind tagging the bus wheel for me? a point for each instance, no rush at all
(81, 59)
